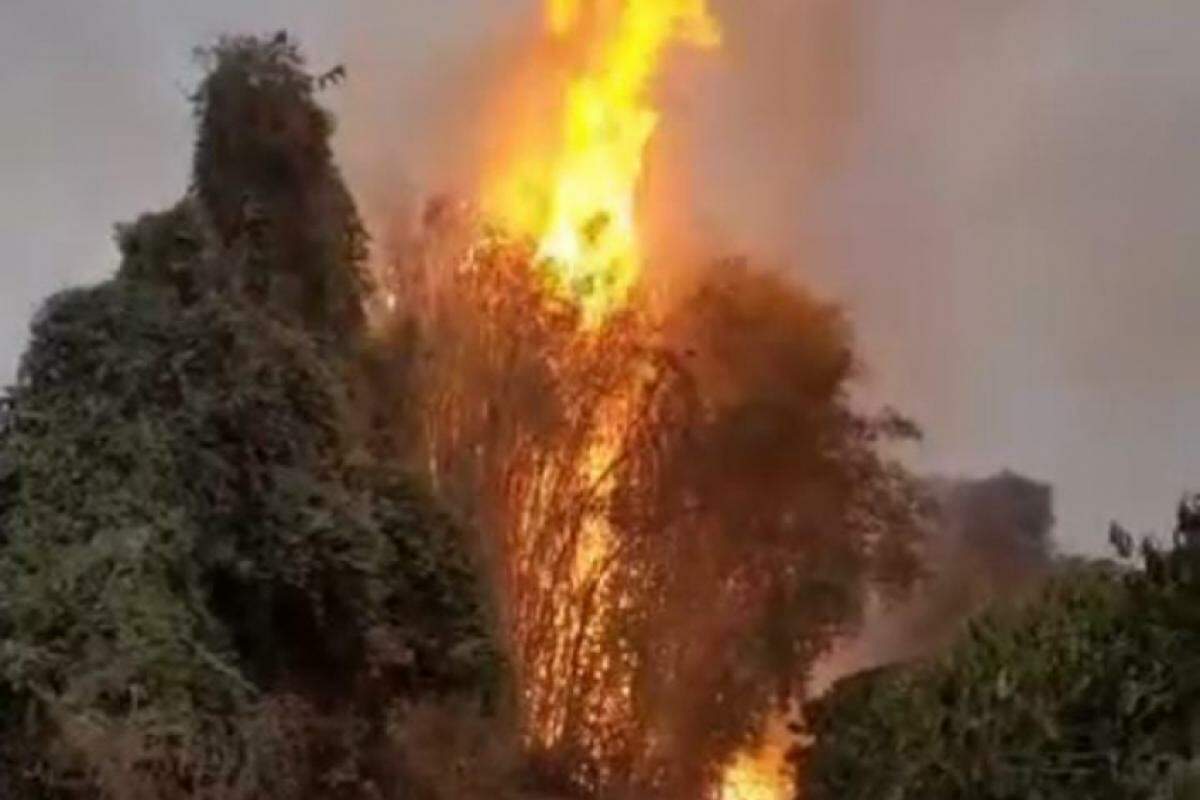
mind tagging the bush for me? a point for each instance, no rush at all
(1087, 690)
(196, 526)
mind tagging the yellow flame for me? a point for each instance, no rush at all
(562, 14)
(579, 203)
(763, 773)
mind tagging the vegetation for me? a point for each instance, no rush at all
(214, 586)
(681, 509)
(264, 174)
(218, 582)
(1088, 689)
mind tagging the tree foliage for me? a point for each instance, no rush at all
(213, 585)
(1088, 689)
(264, 173)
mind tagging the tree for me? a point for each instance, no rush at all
(681, 511)
(214, 586)
(1087, 689)
(263, 171)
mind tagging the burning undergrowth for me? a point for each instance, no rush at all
(679, 510)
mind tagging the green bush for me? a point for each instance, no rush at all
(195, 525)
(1088, 689)
(213, 584)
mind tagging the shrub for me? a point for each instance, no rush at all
(1086, 690)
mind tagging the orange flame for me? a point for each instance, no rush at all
(579, 202)
(763, 773)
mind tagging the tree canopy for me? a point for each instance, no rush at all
(213, 585)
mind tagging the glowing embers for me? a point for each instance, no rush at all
(576, 197)
(570, 579)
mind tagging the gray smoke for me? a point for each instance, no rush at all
(993, 543)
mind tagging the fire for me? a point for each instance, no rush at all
(586, 601)
(567, 571)
(762, 773)
(579, 202)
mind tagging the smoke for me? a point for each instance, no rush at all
(992, 543)
(1000, 191)
(1001, 526)
(751, 133)
(420, 113)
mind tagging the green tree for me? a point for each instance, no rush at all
(1088, 689)
(264, 174)
(214, 586)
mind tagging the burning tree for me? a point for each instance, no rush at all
(679, 508)
(680, 512)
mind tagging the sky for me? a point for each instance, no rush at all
(1002, 193)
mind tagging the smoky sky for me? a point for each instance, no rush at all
(1002, 192)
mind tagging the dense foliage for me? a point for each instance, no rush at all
(213, 586)
(264, 173)
(1088, 689)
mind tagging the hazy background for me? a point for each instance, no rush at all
(1004, 192)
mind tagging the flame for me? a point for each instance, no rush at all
(579, 202)
(762, 773)
(579, 624)
(576, 199)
